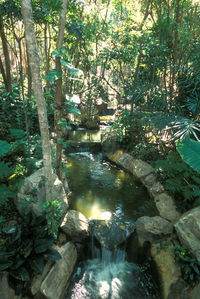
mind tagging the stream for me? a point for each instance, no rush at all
(112, 200)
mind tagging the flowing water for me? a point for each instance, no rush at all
(103, 191)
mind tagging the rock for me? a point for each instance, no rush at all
(188, 231)
(178, 290)
(156, 189)
(149, 180)
(37, 279)
(76, 226)
(111, 234)
(62, 239)
(166, 207)
(137, 167)
(6, 292)
(32, 194)
(125, 161)
(195, 293)
(169, 273)
(152, 229)
(141, 169)
(56, 281)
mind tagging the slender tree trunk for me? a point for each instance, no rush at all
(38, 92)
(59, 92)
(29, 77)
(175, 46)
(3, 73)
(7, 71)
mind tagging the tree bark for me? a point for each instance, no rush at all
(7, 72)
(59, 92)
(38, 92)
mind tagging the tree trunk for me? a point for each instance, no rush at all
(59, 93)
(38, 92)
(7, 71)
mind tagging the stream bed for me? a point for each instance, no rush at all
(103, 192)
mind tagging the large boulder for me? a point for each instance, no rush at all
(188, 231)
(152, 229)
(195, 293)
(166, 207)
(6, 292)
(32, 195)
(169, 272)
(57, 279)
(76, 226)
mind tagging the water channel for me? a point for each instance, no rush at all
(103, 192)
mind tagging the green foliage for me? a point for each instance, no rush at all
(70, 107)
(190, 152)
(181, 180)
(190, 267)
(4, 147)
(65, 61)
(53, 213)
(53, 75)
(26, 250)
(128, 129)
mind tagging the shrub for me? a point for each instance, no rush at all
(27, 247)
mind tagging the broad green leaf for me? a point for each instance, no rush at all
(63, 50)
(52, 254)
(26, 248)
(41, 245)
(4, 148)
(74, 71)
(57, 53)
(18, 134)
(53, 75)
(63, 62)
(73, 110)
(5, 169)
(60, 140)
(5, 265)
(37, 264)
(18, 262)
(189, 151)
(21, 274)
(4, 255)
(62, 123)
(10, 229)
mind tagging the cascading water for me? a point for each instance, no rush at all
(108, 275)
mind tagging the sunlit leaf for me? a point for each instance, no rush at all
(189, 151)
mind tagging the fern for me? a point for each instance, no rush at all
(180, 180)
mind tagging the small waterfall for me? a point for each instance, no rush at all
(108, 275)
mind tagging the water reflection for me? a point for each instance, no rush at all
(98, 188)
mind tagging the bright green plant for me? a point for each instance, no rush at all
(53, 213)
(190, 267)
(27, 247)
(189, 151)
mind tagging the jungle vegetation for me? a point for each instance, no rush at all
(142, 58)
